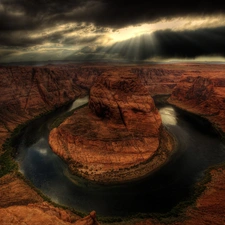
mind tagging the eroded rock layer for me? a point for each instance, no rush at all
(119, 129)
(20, 204)
(202, 95)
(28, 91)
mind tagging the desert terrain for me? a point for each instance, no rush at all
(121, 97)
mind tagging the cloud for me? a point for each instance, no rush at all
(19, 39)
(171, 44)
(30, 15)
(162, 44)
(79, 27)
(6, 52)
(81, 40)
(65, 36)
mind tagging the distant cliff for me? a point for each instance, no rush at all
(204, 96)
(158, 80)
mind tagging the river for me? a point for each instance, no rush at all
(199, 147)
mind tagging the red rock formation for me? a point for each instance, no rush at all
(15, 192)
(28, 91)
(204, 96)
(42, 214)
(120, 129)
(25, 93)
(124, 100)
(21, 204)
(158, 80)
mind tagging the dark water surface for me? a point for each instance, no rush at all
(198, 148)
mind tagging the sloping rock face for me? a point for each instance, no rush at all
(28, 91)
(204, 96)
(159, 81)
(39, 214)
(120, 129)
(125, 101)
(20, 204)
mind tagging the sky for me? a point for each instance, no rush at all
(117, 30)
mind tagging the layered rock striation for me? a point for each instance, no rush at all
(119, 130)
(20, 204)
(159, 81)
(204, 96)
(26, 92)
(29, 91)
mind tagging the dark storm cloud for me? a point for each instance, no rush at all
(33, 14)
(172, 44)
(19, 40)
(32, 23)
(121, 13)
(4, 53)
(191, 43)
(25, 39)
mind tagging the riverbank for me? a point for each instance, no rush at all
(212, 119)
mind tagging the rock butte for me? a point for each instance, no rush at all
(28, 91)
(120, 129)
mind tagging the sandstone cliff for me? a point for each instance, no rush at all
(20, 204)
(120, 129)
(39, 214)
(25, 93)
(28, 91)
(159, 81)
(204, 96)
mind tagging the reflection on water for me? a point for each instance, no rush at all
(39, 147)
(168, 115)
(79, 102)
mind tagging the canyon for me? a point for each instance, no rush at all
(27, 92)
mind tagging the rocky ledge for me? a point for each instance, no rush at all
(204, 96)
(116, 135)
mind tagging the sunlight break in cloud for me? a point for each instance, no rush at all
(102, 29)
(173, 24)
